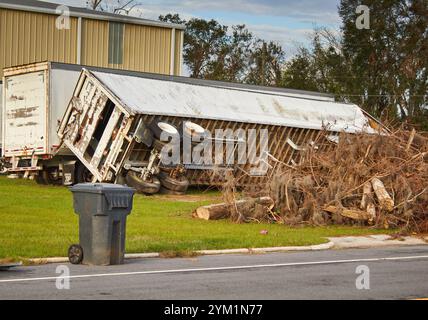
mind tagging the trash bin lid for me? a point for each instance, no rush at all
(100, 188)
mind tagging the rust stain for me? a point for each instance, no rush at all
(22, 112)
(16, 98)
(28, 124)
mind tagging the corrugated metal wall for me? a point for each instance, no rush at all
(95, 43)
(145, 48)
(27, 37)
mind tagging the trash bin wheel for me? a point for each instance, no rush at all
(75, 254)
(180, 184)
(134, 180)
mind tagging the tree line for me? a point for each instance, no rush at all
(383, 68)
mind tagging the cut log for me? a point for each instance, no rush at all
(247, 207)
(367, 195)
(367, 202)
(382, 195)
(349, 213)
(371, 210)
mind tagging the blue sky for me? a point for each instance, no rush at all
(288, 22)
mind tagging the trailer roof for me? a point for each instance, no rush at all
(50, 8)
(159, 97)
(201, 82)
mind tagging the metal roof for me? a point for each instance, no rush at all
(158, 97)
(50, 8)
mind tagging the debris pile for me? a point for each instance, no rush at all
(381, 180)
(378, 180)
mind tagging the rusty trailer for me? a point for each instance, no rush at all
(108, 124)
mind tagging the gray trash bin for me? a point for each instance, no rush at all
(102, 210)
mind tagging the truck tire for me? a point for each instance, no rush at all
(82, 174)
(171, 192)
(180, 185)
(41, 177)
(135, 181)
(46, 177)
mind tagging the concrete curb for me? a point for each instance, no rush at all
(323, 246)
(372, 241)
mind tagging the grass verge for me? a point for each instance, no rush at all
(38, 221)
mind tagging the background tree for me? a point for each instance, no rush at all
(115, 6)
(388, 61)
(266, 64)
(211, 52)
(233, 58)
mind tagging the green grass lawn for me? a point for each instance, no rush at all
(38, 221)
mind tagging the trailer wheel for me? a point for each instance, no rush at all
(75, 254)
(193, 131)
(180, 185)
(49, 175)
(157, 126)
(41, 177)
(142, 186)
(82, 174)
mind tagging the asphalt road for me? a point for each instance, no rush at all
(394, 273)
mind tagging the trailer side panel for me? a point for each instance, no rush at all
(25, 114)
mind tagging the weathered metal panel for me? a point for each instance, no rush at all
(94, 128)
(61, 90)
(28, 37)
(25, 114)
(146, 96)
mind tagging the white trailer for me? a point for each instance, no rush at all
(33, 102)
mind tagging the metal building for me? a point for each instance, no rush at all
(34, 31)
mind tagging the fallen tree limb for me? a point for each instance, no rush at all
(349, 213)
(247, 207)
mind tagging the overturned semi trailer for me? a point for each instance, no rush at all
(34, 98)
(114, 122)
